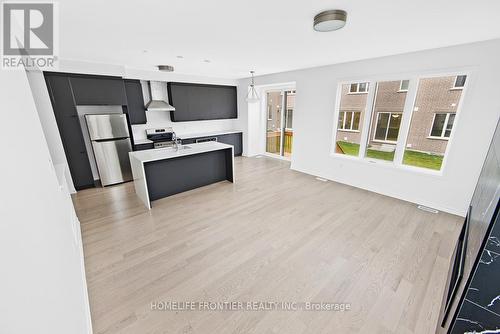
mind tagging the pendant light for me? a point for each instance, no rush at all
(252, 95)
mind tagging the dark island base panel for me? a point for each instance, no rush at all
(172, 176)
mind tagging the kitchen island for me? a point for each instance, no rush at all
(163, 172)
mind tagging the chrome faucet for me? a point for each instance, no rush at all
(177, 141)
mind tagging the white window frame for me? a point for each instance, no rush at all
(445, 125)
(387, 130)
(408, 111)
(401, 90)
(357, 87)
(352, 120)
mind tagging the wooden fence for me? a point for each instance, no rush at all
(273, 142)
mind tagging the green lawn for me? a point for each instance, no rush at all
(419, 159)
(389, 156)
(349, 148)
(411, 158)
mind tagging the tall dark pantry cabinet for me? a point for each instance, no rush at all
(471, 303)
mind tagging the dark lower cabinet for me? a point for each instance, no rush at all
(188, 141)
(98, 90)
(69, 128)
(142, 147)
(135, 102)
(235, 139)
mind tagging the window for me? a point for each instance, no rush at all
(288, 119)
(432, 118)
(351, 113)
(406, 135)
(386, 120)
(403, 86)
(459, 81)
(442, 125)
(349, 120)
(387, 127)
(361, 87)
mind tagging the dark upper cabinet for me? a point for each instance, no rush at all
(135, 102)
(69, 128)
(94, 90)
(196, 102)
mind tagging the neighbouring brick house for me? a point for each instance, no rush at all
(274, 109)
(432, 118)
(351, 105)
(436, 98)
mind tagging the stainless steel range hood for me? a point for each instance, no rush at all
(157, 95)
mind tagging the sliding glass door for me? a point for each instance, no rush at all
(280, 105)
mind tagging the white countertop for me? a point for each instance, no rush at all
(169, 153)
(206, 134)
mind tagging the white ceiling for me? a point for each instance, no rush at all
(268, 36)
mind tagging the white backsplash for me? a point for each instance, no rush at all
(160, 119)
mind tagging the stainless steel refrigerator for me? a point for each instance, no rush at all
(111, 144)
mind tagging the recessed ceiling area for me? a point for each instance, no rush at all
(265, 36)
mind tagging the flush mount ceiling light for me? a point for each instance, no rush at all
(330, 20)
(166, 68)
(252, 95)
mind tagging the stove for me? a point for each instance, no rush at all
(161, 137)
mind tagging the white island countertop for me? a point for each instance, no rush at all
(139, 159)
(171, 152)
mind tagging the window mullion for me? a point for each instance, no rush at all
(387, 126)
(365, 127)
(445, 125)
(404, 126)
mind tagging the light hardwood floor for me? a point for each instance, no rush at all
(274, 235)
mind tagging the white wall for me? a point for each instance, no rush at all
(314, 120)
(42, 282)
